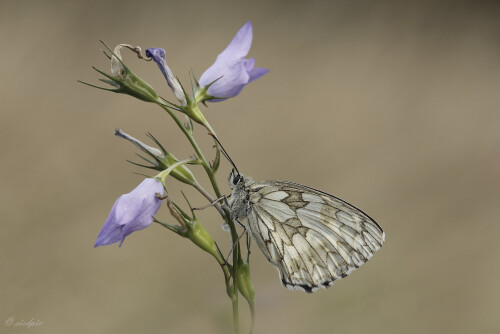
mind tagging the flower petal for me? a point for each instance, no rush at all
(257, 73)
(234, 79)
(240, 45)
(158, 55)
(249, 64)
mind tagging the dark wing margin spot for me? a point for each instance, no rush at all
(306, 288)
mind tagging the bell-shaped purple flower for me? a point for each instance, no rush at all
(231, 71)
(132, 212)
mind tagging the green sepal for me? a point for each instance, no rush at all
(153, 163)
(189, 125)
(174, 228)
(201, 94)
(200, 237)
(181, 173)
(192, 110)
(178, 170)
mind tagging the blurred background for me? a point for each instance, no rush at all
(390, 105)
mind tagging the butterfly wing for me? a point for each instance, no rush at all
(312, 237)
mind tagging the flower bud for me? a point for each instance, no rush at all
(245, 285)
(199, 236)
(162, 159)
(125, 81)
(193, 230)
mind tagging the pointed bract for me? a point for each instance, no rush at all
(131, 212)
(231, 71)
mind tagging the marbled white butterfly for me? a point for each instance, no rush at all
(311, 237)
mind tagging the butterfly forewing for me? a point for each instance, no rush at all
(312, 237)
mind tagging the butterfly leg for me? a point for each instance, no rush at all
(242, 225)
(220, 253)
(248, 246)
(223, 198)
(248, 238)
(237, 240)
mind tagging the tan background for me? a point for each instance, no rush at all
(392, 106)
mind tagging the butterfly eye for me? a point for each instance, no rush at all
(236, 179)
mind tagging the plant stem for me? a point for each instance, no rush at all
(225, 214)
(196, 148)
(235, 312)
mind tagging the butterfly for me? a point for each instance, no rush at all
(311, 237)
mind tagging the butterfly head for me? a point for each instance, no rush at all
(235, 178)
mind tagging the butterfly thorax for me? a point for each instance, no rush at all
(239, 201)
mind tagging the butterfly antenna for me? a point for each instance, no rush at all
(224, 152)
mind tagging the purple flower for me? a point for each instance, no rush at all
(132, 212)
(158, 55)
(231, 68)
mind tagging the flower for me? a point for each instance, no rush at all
(131, 212)
(231, 71)
(158, 55)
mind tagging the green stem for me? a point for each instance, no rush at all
(236, 319)
(226, 215)
(236, 260)
(252, 314)
(196, 148)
